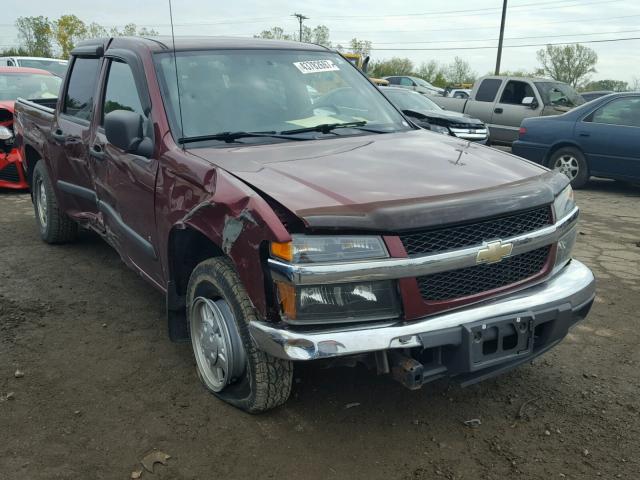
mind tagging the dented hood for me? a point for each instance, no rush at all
(389, 182)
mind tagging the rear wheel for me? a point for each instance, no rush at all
(228, 362)
(54, 225)
(571, 162)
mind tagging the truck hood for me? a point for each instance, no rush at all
(446, 117)
(388, 182)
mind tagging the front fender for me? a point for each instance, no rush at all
(233, 217)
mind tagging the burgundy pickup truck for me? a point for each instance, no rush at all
(290, 213)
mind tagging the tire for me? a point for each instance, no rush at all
(256, 383)
(571, 162)
(54, 225)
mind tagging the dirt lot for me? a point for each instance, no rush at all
(103, 385)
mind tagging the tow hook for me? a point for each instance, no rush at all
(406, 370)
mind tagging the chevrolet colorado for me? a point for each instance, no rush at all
(285, 226)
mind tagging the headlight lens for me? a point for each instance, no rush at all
(565, 247)
(321, 249)
(350, 302)
(439, 129)
(564, 203)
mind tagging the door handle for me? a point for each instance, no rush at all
(59, 136)
(584, 134)
(497, 110)
(97, 152)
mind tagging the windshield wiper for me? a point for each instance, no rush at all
(328, 127)
(230, 137)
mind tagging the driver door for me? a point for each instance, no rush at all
(509, 111)
(124, 182)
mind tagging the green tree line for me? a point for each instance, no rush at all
(41, 37)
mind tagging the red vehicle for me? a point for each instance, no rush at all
(30, 83)
(290, 213)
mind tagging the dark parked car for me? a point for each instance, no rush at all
(600, 138)
(426, 114)
(588, 96)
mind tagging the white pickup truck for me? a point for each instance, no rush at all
(503, 102)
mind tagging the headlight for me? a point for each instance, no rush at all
(565, 247)
(5, 133)
(562, 206)
(349, 302)
(439, 129)
(564, 203)
(320, 249)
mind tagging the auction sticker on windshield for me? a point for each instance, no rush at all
(316, 66)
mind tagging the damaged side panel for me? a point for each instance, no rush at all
(230, 215)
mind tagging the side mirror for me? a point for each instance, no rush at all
(530, 102)
(125, 130)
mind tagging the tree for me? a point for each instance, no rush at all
(14, 52)
(67, 30)
(569, 63)
(363, 47)
(35, 35)
(613, 85)
(429, 71)
(393, 66)
(635, 84)
(275, 33)
(459, 71)
(95, 30)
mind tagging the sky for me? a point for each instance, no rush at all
(421, 30)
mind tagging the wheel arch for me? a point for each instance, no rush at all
(562, 144)
(31, 158)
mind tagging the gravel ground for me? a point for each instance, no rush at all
(103, 385)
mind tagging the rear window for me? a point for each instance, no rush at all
(488, 90)
(78, 101)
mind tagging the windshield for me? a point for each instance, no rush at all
(422, 83)
(270, 91)
(57, 67)
(28, 85)
(559, 94)
(411, 101)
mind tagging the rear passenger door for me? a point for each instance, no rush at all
(481, 106)
(70, 131)
(125, 183)
(610, 137)
(509, 111)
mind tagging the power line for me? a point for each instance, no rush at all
(508, 46)
(474, 40)
(466, 29)
(573, 3)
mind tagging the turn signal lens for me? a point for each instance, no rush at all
(287, 297)
(282, 250)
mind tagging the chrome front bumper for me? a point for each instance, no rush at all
(569, 289)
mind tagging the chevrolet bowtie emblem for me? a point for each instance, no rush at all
(494, 252)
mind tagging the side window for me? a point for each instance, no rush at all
(393, 80)
(514, 92)
(623, 111)
(78, 100)
(488, 89)
(11, 63)
(407, 82)
(121, 92)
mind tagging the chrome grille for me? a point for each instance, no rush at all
(470, 281)
(471, 234)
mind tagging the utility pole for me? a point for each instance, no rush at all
(504, 16)
(301, 18)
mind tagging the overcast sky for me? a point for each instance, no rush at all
(391, 26)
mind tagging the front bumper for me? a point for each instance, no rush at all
(563, 300)
(11, 170)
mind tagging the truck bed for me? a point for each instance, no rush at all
(32, 125)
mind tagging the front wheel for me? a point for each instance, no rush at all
(54, 225)
(228, 361)
(571, 162)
